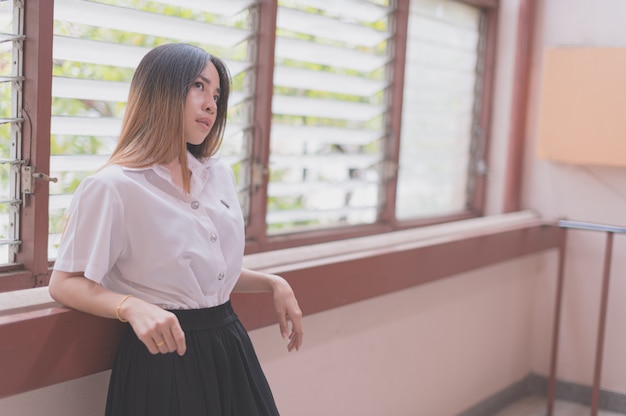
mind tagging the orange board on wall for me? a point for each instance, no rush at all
(582, 115)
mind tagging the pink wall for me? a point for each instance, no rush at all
(435, 349)
(579, 192)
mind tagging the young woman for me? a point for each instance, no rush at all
(156, 239)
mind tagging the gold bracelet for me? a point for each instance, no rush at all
(119, 305)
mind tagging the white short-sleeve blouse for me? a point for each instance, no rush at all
(135, 232)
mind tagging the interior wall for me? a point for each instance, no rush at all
(585, 193)
(434, 349)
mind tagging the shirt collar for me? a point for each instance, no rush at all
(195, 166)
(199, 169)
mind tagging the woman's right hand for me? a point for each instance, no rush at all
(157, 328)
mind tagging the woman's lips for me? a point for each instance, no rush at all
(205, 122)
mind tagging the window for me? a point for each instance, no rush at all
(11, 41)
(347, 118)
(329, 110)
(97, 45)
(441, 139)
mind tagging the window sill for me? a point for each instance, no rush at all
(46, 343)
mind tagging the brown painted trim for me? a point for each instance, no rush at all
(478, 198)
(263, 94)
(16, 280)
(52, 345)
(38, 27)
(299, 239)
(483, 3)
(319, 289)
(521, 77)
(395, 96)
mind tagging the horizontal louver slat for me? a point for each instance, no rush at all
(108, 127)
(328, 55)
(332, 109)
(444, 34)
(216, 7)
(358, 10)
(454, 13)
(87, 89)
(77, 163)
(59, 201)
(437, 57)
(321, 81)
(114, 54)
(327, 28)
(328, 135)
(86, 126)
(320, 215)
(127, 19)
(97, 52)
(298, 189)
(335, 161)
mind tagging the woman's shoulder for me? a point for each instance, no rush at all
(109, 177)
(119, 173)
(102, 188)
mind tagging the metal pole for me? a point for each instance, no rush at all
(595, 393)
(557, 321)
(610, 230)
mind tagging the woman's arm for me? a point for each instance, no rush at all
(285, 302)
(157, 328)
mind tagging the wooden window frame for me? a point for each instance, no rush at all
(33, 268)
(257, 238)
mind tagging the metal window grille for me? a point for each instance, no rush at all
(11, 82)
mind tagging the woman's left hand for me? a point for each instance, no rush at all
(287, 310)
(285, 303)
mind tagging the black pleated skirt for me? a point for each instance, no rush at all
(219, 375)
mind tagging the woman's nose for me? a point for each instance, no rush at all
(211, 106)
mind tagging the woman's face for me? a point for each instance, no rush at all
(201, 105)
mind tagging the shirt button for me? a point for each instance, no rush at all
(220, 276)
(195, 204)
(213, 237)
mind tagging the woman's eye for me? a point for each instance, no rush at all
(198, 85)
(216, 98)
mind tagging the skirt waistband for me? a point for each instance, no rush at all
(205, 318)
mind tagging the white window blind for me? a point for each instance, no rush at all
(329, 110)
(441, 106)
(97, 45)
(11, 40)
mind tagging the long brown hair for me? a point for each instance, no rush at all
(152, 130)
